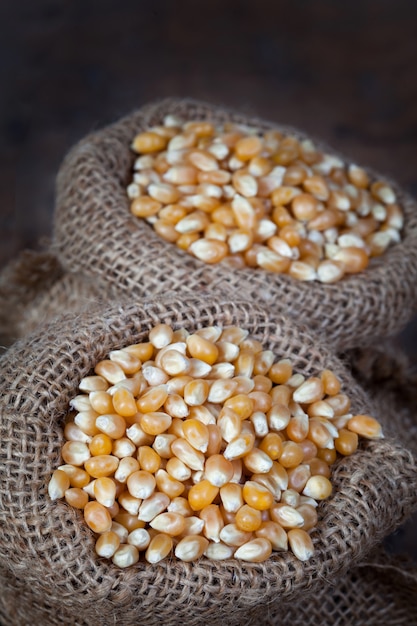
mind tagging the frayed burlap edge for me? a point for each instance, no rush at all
(47, 543)
(95, 233)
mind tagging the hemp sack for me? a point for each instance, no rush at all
(46, 549)
(96, 235)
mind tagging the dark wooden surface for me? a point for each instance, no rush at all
(344, 71)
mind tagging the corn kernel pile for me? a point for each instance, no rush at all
(203, 444)
(261, 200)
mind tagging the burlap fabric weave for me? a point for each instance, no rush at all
(390, 379)
(96, 234)
(46, 550)
(34, 289)
(380, 591)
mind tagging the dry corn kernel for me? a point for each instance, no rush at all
(217, 457)
(75, 453)
(79, 478)
(58, 485)
(202, 494)
(365, 426)
(149, 460)
(300, 543)
(97, 517)
(100, 444)
(101, 465)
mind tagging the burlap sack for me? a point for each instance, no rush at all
(34, 289)
(95, 234)
(47, 552)
(380, 591)
(385, 372)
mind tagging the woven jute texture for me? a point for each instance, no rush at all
(48, 552)
(389, 378)
(95, 233)
(378, 592)
(34, 289)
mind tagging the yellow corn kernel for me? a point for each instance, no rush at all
(171, 524)
(128, 522)
(292, 455)
(215, 440)
(123, 448)
(271, 444)
(319, 467)
(152, 399)
(286, 516)
(142, 351)
(275, 534)
(129, 503)
(168, 485)
(239, 447)
(155, 422)
(326, 454)
(255, 551)
(97, 517)
(300, 544)
(159, 548)
(196, 433)
(140, 538)
(75, 453)
(101, 465)
(107, 544)
(347, 442)
(153, 506)
(309, 391)
(101, 444)
(202, 494)
(298, 477)
(218, 470)
(309, 514)
(191, 547)
(149, 460)
(240, 404)
(125, 556)
(187, 454)
(78, 477)
(180, 505)
(248, 147)
(257, 496)
(126, 466)
(177, 469)
(248, 519)
(58, 484)
(201, 348)
(319, 434)
(86, 421)
(148, 142)
(124, 403)
(141, 484)
(112, 425)
(129, 363)
(112, 372)
(101, 402)
(162, 445)
(365, 426)
(233, 536)
(280, 372)
(105, 491)
(257, 461)
(318, 487)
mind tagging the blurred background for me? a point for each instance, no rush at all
(343, 71)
